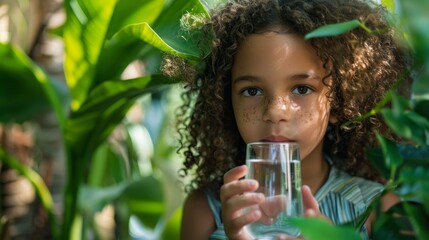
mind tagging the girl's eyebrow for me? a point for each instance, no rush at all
(245, 78)
(294, 77)
(305, 76)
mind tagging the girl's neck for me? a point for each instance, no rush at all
(314, 173)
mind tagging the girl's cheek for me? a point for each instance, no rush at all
(250, 116)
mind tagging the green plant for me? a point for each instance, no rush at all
(406, 166)
(101, 39)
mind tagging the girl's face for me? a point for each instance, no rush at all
(278, 94)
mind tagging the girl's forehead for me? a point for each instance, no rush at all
(275, 50)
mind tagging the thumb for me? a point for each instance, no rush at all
(311, 207)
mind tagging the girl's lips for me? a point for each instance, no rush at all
(276, 139)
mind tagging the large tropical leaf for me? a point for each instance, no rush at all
(165, 33)
(89, 126)
(84, 34)
(105, 108)
(25, 89)
(89, 24)
(128, 12)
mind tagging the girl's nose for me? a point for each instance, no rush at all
(276, 109)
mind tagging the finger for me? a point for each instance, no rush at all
(235, 227)
(236, 188)
(233, 207)
(273, 206)
(311, 206)
(235, 174)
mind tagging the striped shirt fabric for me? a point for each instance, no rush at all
(342, 198)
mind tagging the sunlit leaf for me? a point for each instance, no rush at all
(320, 229)
(390, 4)
(333, 29)
(127, 49)
(167, 33)
(84, 34)
(131, 12)
(172, 228)
(144, 32)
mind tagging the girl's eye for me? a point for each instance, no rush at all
(249, 92)
(302, 90)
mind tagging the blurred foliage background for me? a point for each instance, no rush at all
(87, 139)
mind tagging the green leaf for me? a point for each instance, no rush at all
(146, 34)
(392, 157)
(422, 107)
(129, 12)
(418, 155)
(399, 104)
(105, 107)
(419, 220)
(84, 35)
(391, 224)
(421, 85)
(127, 49)
(143, 197)
(405, 125)
(333, 29)
(389, 4)
(168, 35)
(415, 185)
(172, 229)
(415, 16)
(25, 90)
(375, 155)
(148, 205)
(39, 185)
(94, 199)
(91, 124)
(320, 229)
(107, 167)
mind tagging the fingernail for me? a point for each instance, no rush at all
(252, 183)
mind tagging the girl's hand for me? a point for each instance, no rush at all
(311, 207)
(234, 200)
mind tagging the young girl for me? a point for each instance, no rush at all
(264, 82)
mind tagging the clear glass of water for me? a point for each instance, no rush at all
(277, 168)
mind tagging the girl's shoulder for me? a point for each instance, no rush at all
(197, 220)
(343, 198)
(351, 188)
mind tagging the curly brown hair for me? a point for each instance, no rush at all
(362, 65)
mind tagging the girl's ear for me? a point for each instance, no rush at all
(333, 119)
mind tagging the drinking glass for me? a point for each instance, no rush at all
(277, 168)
